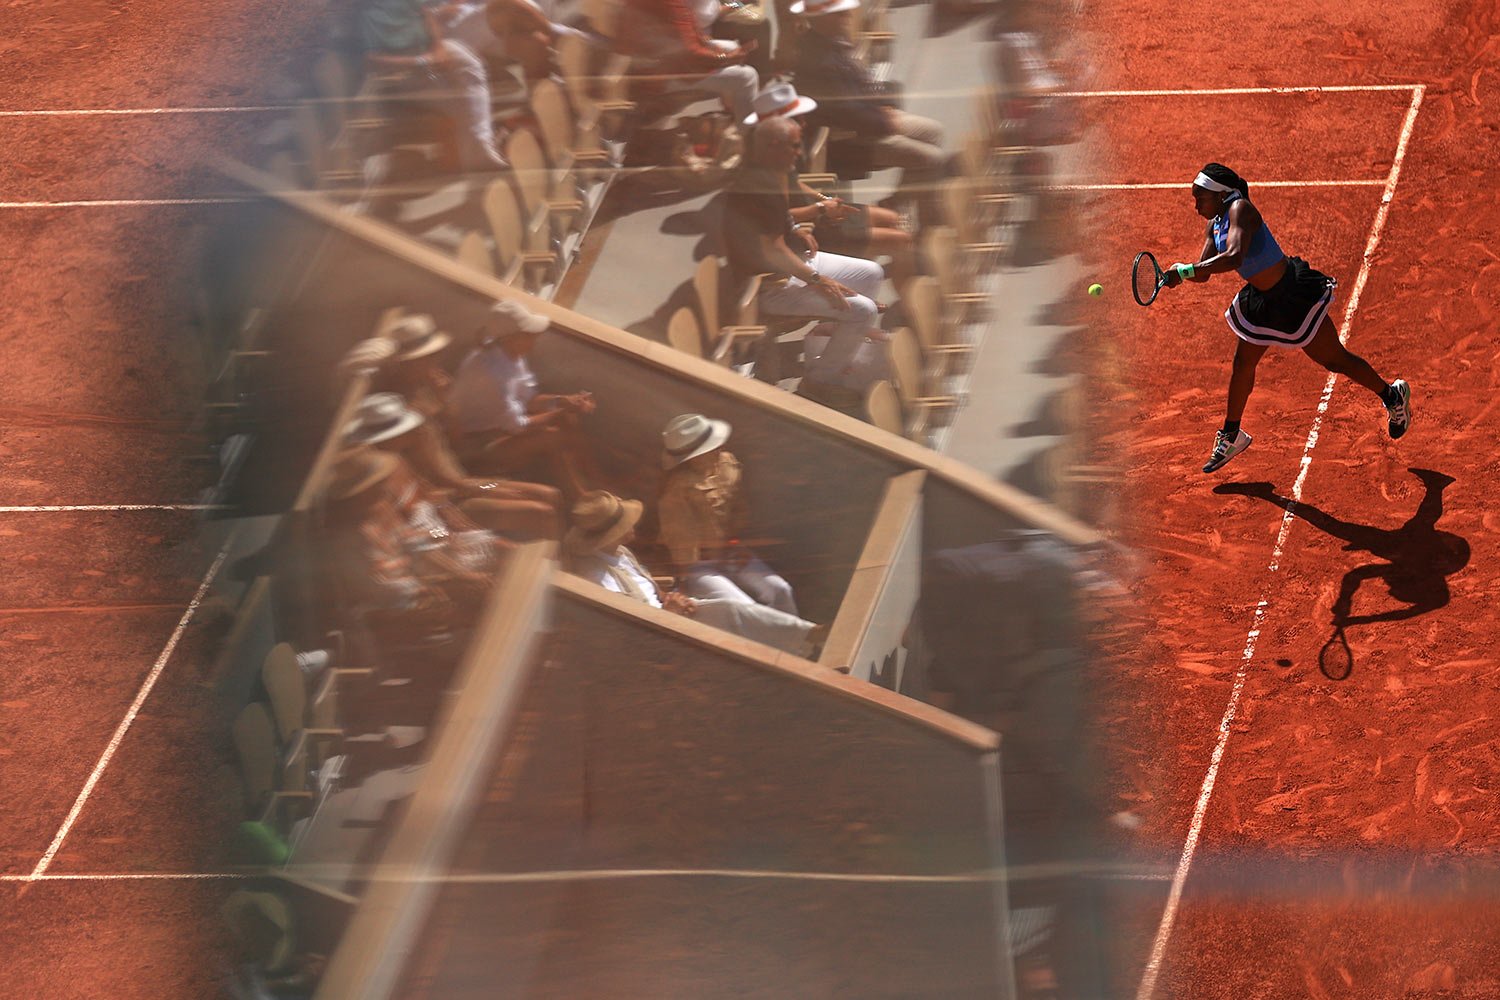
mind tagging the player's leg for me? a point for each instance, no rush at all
(1241, 381)
(1327, 350)
(1230, 440)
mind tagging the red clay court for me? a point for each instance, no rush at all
(1318, 837)
(1300, 836)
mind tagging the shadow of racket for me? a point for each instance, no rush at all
(1335, 659)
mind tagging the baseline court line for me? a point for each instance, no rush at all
(1228, 91)
(123, 203)
(132, 712)
(1200, 810)
(1184, 185)
(86, 112)
(108, 507)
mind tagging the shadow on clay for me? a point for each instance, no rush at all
(1417, 560)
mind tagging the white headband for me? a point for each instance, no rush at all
(1208, 183)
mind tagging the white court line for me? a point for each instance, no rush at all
(1100, 871)
(1200, 810)
(1227, 91)
(1184, 185)
(87, 112)
(108, 507)
(131, 713)
(123, 203)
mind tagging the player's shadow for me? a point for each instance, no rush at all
(1417, 557)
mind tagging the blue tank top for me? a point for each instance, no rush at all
(1264, 250)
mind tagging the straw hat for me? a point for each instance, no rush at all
(689, 435)
(508, 318)
(360, 472)
(417, 337)
(780, 100)
(817, 8)
(255, 917)
(379, 417)
(600, 520)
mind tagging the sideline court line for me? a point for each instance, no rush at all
(1183, 185)
(1230, 91)
(1200, 810)
(131, 713)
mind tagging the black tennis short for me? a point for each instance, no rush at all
(1286, 315)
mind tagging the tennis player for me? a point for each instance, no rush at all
(1284, 303)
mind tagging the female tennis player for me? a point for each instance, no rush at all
(1284, 303)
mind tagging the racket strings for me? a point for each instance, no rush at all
(1144, 278)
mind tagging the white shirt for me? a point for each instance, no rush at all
(492, 391)
(596, 569)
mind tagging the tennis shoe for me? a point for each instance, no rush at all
(1398, 414)
(1225, 448)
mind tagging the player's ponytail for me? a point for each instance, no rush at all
(1227, 177)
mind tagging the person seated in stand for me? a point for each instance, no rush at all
(761, 236)
(850, 98)
(671, 37)
(499, 420)
(413, 572)
(701, 511)
(597, 547)
(384, 420)
(406, 38)
(838, 226)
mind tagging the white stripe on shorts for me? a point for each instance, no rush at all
(1269, 337)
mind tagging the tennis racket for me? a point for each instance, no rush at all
(1146, 278)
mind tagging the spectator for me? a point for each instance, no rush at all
(404, 37)
(829, 71)
(701, 514)
(414, 573)
(839, 226)
(414, 370)
(502, 423)
(762, 237)
(383, 419)
(671, 37)
(598, 549)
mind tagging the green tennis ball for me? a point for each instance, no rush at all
(1096, 290)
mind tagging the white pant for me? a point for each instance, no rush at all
(752, 581)
(797, 298)
(736, 86)
(756, 622)
(460, 90)
(870, 362)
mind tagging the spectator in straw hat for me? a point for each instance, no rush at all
(415, 369)
(838, 226)
(597, 547)
(701, 514)
(829, 70)
(384, 420)
(503, 425)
